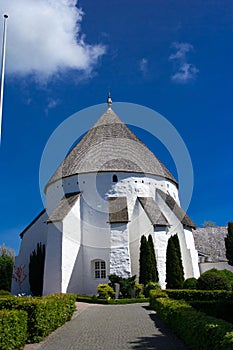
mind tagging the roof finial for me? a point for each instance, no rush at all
(109, 100)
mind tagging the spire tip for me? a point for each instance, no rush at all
(109, 100)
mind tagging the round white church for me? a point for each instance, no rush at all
(108, 192)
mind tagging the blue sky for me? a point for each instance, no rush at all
(174, 57)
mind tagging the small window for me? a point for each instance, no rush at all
(100, 269)
(114, 178)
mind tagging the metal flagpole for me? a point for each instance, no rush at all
(3, 70)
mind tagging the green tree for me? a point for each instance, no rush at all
(143, 275)
(174, 267)
(6, 267)
(36, 270)
(229, 243)
(151, 261)
(178, 252)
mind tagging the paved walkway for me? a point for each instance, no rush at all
(112, 327)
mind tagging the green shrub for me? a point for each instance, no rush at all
(4, 292)
(197, 330)
(105, 291)
(44, 314)
(138, 291)
(190, 294)
(217, 308)
(227, 343)
(212, 280)
(13, 329)
(227, 273)
(151, 286)
(190, 283)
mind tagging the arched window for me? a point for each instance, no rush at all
(114, 178)
(99, 269)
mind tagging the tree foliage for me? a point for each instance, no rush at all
(213, 280)
(143, 261)
(152, 263)
(36, 270)
(174, 266)
(147, 262)
(229, 243)
(6, 267)
(126, 284)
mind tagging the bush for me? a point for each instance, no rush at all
(4, 292)
(44, 314)
(105, 291)
(203, 332)
(216, 308)
(151, 286)
(138, 291)
(190, 283)
(190, 295)
(13, 329)
(227, 273)
(212, 280)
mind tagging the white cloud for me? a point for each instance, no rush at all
(143, 65)
(44, 38)
(51, 103)
(182, 49)
(185, 71)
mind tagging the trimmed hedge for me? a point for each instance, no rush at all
(44, 314)
(191, 294)
(197, 330)
(94, 299)
(216, 308)
(13, 329)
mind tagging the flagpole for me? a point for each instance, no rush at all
(3, 70)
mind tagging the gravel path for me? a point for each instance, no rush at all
(111, 327)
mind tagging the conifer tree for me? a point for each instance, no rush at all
(229, 243)
(36, 270)
(143, 261)
(174, 268)
(178, 251)
(152, 263)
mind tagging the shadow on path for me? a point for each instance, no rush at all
(163, 339)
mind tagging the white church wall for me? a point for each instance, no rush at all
(53, 260)
(71, 242)
(139, 225)
(186, 243)
(90, 255)
(221, 265)
(102, 185)
(193, 269)
(160, 239)
(119, 250)
(36, 233)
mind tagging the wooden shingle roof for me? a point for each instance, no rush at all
(153, 212)
(110, 146)
(177, 210)
(118, 210)
(63, 207)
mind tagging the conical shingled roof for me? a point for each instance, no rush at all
(110, 146)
